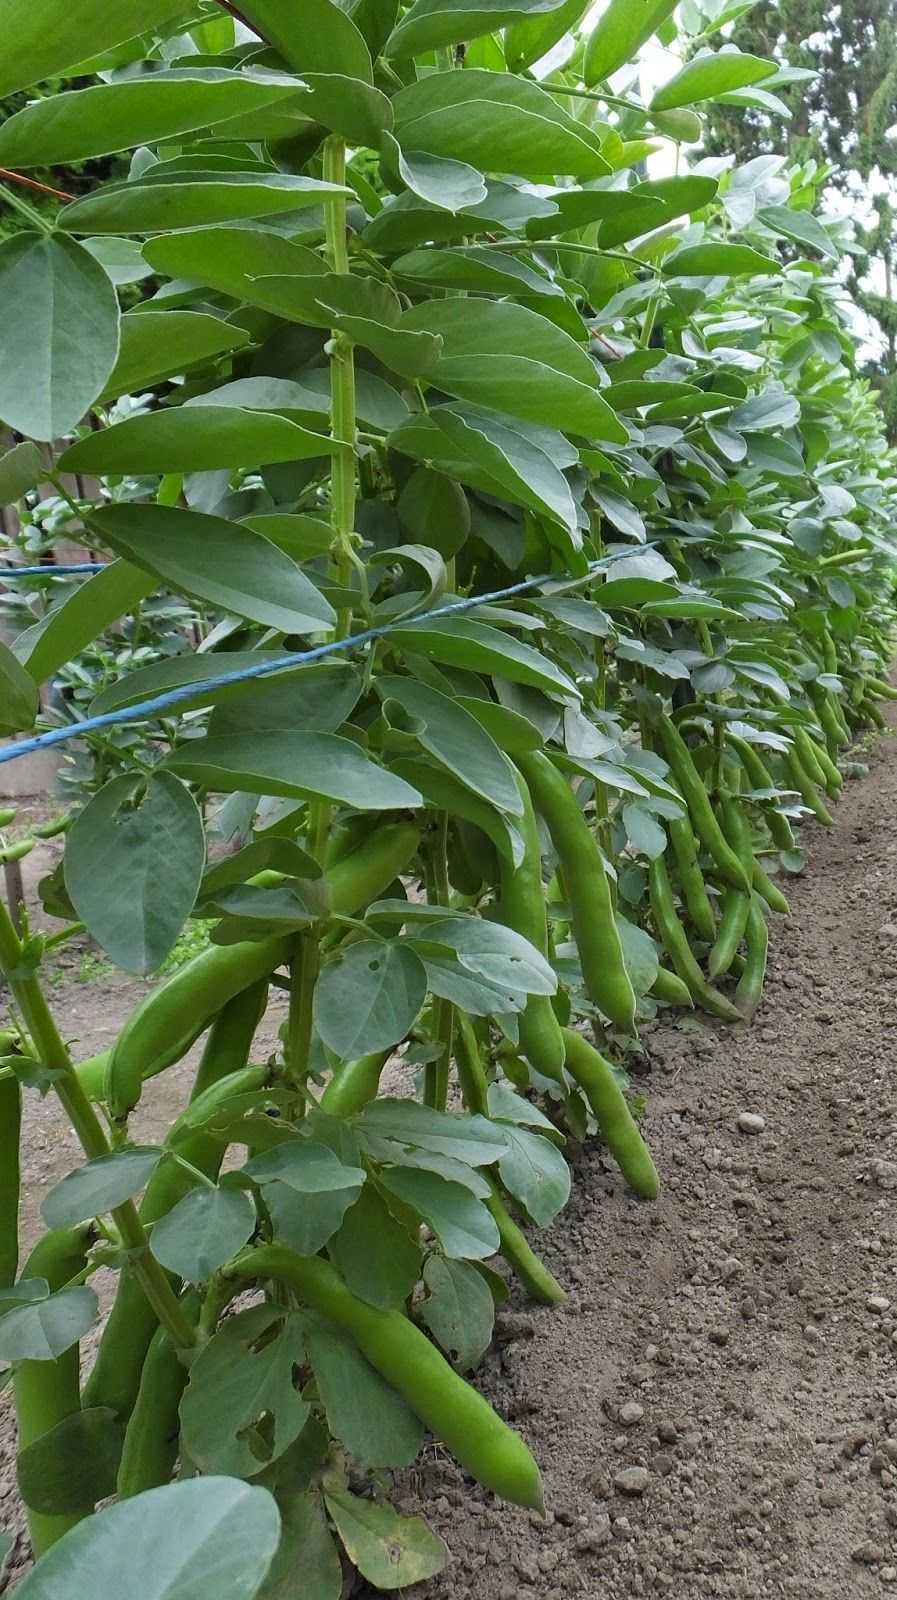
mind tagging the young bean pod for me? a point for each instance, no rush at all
(770, 892)
(454, 1412)
(10, 1134)
(46, 1392)
(521, 906)
(588, 891)
(354, 1085)
(736, 905)
(520, 1256)
(672, 935)
(750, 985)
(691, 878)
(670, 990)
(805, 787)
(150, 1448)
(760, 777)
(691, 786)
(619, 1130)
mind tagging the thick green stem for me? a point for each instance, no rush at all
(51, 1051)
(436, 1074)
(342, 384)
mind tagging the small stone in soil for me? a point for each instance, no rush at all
(877, 1302)
(632, 1480)
(868, 1555)
(631, 1413)
(750, 1122)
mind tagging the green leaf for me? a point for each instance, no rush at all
(528, 41)
(507, 459)
(65, 631)
(496, 123)
(363, 1411)
(103, 118)
(306, 1166)
(19, 698)
(389, 1550)
(461, 1223)
(44, 1329)
(643, 832)
(639, 954)
(73, 1465)
(319, 700)
(368, 998)
(801, 226)
(717, 259)
(347, 106)
(375, 1254)
(707, 75)
(58, 349)
(498, 354)
(475, 267)
(306, 1222)
(451, 185)
(433, 510)
(472, 1139)
(494, 952)
(242, 1378)
(159, 344)
(459, 641)
(623, 27)
(203, 1231)
(161, 201)
(430, 24)
(198, 439)
(224, 563)
(133, 862)
(323, 39)
(455, 738)
(459, 1310)
(534, 1171)
(772, 408)
(184, 1541)
(177, 672)
(21, 469)
(307, 1565)
(46, 40)
(668, 198)
(300, 765)
(99, 1186)
(246, 263)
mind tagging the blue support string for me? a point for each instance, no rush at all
(161, 703)
(73, 570)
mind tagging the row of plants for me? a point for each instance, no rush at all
(418, 330)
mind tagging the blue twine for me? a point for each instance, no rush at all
(52, 572)
(162, 702)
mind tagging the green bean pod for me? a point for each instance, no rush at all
(10, 1135)
(115, 1377)
(733, 921)
(672, 935)
(588, 891)
(354, 1085)
(150, 1450)
(619, 1130)
(230, 1037)
(872, 714)
(808, 755)
(829, 652)
(670, 989)
(881, 690)
(750, 985)
(161, 1029)
(691, 878)
(831, 777)
(521, 906)
(46, 1392)
(835, 730)
(700, 810)
(452, 1409)
(803, 783)
(532, 1272)
(770, 891)
(760, 777)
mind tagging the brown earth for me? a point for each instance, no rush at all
(715, 1406)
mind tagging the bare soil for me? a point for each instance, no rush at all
(715, 1405)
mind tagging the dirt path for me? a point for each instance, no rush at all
(715, 1407)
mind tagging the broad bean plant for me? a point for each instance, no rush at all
(522, 453)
